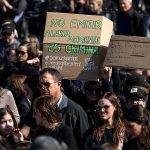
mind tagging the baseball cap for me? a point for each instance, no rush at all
(8, 28)
(137, 92)
(137, 80)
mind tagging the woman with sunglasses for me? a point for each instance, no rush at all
(110, 127)
(137, 122)
(28, 63)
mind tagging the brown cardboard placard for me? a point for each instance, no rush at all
(76, 44)
(77, 29)
(128, 51)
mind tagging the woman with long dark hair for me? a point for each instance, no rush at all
(110, 127)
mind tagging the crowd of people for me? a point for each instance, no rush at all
(39, 110)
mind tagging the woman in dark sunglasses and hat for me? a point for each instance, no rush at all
(110, 128)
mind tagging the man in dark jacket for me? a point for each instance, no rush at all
(129, 21)
(73, 115)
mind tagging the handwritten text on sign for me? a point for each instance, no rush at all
(77, 29)
(126, 51)
(72, 58)
(59, 23)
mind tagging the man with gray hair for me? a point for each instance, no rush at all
(129, 21)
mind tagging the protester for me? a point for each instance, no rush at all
(49, 122)
(136, 90)
(10, 65)
(7, 99)
(16, 85)
(138, 128)
(73, 115)
(110, 127)
(137, 96)
(8, 127)
(129, 21)
(95, 7)
(8, 38)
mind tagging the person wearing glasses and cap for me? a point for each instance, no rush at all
(137, 96)
(136, 90)
(8, 38)
(110, 128)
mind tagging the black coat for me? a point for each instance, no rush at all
(62, 133)
(130, 23)
(24, 106)
(90, 143)
(74, 116)
(134, 145)
(27, 69)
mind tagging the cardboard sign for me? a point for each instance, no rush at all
(128, 51)
(77, 29)
(76, 44)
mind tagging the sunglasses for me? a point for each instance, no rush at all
(44, 84)
(20, 52)
(91, 89)
(98, 107)
(6, 34)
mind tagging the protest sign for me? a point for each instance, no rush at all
(76, 44)
(128, 51)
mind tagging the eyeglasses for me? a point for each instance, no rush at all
(136, 99)
(91, 89)
(45, 84)
(6, 34)
(21, 52)
(98, 107)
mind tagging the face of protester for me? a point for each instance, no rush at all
(22, 53)
(6, 125)
(49, 86)
(12, 57)
(93, 94)
(94, 6)
(133, 129)
(8, 37)
(105, 109)
(136, 101)
(125, 5)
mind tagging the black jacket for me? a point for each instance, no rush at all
(74, 116)
(62, 133)
(130, 23)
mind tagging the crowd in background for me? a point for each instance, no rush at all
(39, 110)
